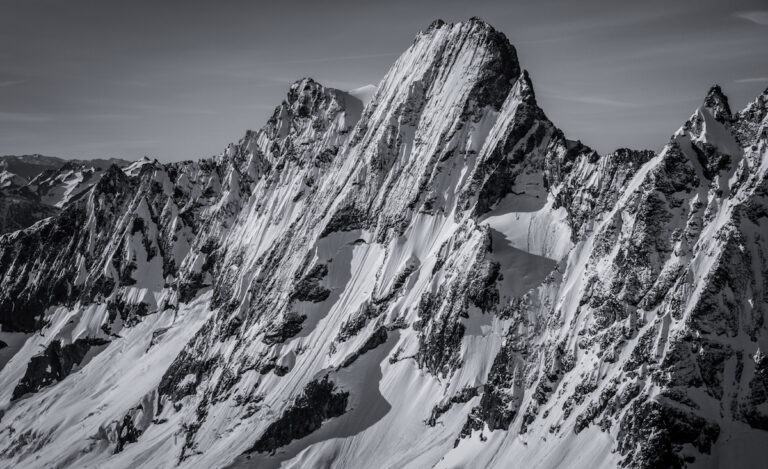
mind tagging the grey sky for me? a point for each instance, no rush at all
(179, 80)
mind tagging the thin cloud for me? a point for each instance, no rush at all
(599, 101)
(753, 80)
(335, 59)
(108, 116)
(23, 118)
(5, 84)
(118, 143)
(136, 106)
(591, 100)
(758, 16)
(134, 83)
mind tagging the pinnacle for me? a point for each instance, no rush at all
(303, 84)
(717, 102)
(437, 24)
(527, 86)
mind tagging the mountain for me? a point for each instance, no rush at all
(438, 278)
(31, 166)
(33, 187)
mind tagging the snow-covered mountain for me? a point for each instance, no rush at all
(33, 187)
(439, 278)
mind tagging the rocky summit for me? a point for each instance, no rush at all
(437, 278)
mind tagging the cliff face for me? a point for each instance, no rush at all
(437, 278)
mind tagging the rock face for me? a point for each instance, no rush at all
(54, 364)
(317, 403)
(439, 278)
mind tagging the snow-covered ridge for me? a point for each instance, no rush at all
(437, 278)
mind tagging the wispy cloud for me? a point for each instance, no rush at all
(139, 106)
(615, 103)
(22, 118)
(753, 80)
(35, 118)
(591, 100)
(758, 16)
(335, 59)
(118, 143)
(7, 83)
(134, 83)
(108, 116)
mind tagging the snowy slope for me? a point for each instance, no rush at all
(437, 278)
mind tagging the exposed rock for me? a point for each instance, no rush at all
(54, 364)
(318, 402)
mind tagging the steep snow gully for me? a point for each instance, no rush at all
(437, 278)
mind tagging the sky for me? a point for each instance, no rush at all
(179, 80)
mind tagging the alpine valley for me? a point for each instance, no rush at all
(437, 278)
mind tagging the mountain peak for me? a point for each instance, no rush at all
(306, 92)
(438, 23)
(302, 99)
(717, 102)
(303, 86)
(309, 113)
(471, 45)
(481, 23)
(473, 25)
(526, 87)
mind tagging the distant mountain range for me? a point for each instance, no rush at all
(33, 187)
